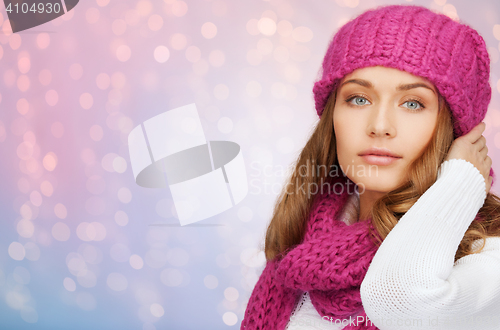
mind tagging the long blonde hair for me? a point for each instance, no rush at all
(290, 214)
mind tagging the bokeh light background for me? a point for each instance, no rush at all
(82, 246)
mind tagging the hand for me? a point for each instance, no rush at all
(472, 148)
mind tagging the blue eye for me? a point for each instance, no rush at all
(413, 104)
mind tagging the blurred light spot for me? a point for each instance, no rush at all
(219, 8)
(252, 27)
(46, 188)
(19, 126)
(32, 251)
(450, 11)
(302, 34)
(86, 101)
(252, 257)
(284, 28)
(85, 301)
(88, 156)
(45, 77)
(292, 73)
(494, 56)
(178, 257)
(222, 260)
(26, 211)
(23, 83)
(156, 258)
(43, 40)
(216, 58)
(23, 185)
(157, 310)
(179, 8)
(16, 251)
(136, 261)
(144, 7)
(270, 14)
(121, 218)
(225, 125)
(96, 184)
(60, 211)
(253, 88)
(92, 15)
(178, 41)
(155, 22)
(17, 299)
(132, 17)
(200, 67)
(22, 106)
(265, 46)
(300, 53)
(69, 284)
(119, 164)
(229, 318)
(440, 2)
(193, 54)
(254, 57)
(25, 228)
(100, 231)
(25, 150)
(124, 195)
(281, 54)
(496, 31)
(266, 26)
(51, 97)
(21, 275)
(163, 208)
(210, 281)
(278, 90)
(118, 27)
(221, 92)
(23, 62)
(60, 231)
(103, 81)
(209, 30)
(231, 294)
(75, 71)
(14, 41)
(29, 314)
(120, 252)
(171, 277)
(57, 129)
(123, 53)
(107, 162)
(117, 282)
(95, 205)
(87, 279)
(102, 3)
(50, 161)
(118, 80)
(76, 264)
(3, 132)
(245, 213)
(161, 54)
(96, 132)
(30, 137)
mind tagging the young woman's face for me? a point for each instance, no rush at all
(379, 107)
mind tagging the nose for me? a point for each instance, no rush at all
(380, 122)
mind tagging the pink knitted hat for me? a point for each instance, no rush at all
(451, 55)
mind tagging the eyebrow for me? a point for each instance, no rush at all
(399, 88)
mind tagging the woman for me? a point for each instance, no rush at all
(401, 98)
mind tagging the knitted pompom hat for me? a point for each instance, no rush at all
(451, 55)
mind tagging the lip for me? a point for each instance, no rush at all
(379, 160)
(379, 152)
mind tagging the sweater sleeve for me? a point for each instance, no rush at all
(413, 281)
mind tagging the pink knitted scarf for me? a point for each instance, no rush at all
(330, 263)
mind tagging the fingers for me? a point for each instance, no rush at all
(475, 134)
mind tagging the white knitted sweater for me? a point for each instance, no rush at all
(413, 281)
